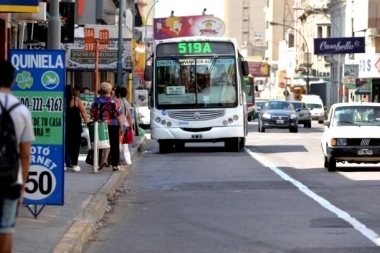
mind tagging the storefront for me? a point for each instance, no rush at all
(368, 84)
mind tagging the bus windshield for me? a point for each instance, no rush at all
(201, 81)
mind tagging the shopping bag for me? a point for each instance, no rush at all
(90, 157)
(128, 137)
(125, 156)
(85, 138)
(141, 132)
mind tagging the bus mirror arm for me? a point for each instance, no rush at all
(148, 73)
(245, 68)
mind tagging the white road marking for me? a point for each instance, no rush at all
(367, 232)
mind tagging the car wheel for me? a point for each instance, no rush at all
(258, 126)
(331, 164)
(249, 118)
(293, 130)
(325, 165)
(309, 124)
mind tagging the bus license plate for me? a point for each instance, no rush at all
(280, 121)
(365, 151)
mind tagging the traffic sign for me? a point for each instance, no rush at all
(104, 36)
(92, 46)
(89, 35)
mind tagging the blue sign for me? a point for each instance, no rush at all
(19, 5)
(349, 45)
(364, 89)
(40, 85)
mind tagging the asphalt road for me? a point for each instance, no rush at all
(275, 196)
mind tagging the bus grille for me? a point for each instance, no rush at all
(198, 115)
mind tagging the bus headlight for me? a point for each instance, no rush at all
(225, 122)
(230, 120)
(163, 122)
(235, 117)
(293, 116)
(158, 119)
(169, 124)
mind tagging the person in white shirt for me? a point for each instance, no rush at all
(11, 196)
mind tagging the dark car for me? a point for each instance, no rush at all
(258, 104)
(304, 115)
(278, 114)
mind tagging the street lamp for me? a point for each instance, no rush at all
(307, 54)
(146, 40)
(337, 31)
(146, 19)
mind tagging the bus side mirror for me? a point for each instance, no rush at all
(245, 68)
(148, 73)
(256, 88)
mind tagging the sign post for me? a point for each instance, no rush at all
(40, 85)
(92, 44)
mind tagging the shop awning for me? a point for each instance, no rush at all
(364, 89)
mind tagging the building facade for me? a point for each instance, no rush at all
(245, 21)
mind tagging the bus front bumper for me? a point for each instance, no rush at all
(207, 134)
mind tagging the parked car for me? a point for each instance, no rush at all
(304, 115)
(278, 114)
(351, 134)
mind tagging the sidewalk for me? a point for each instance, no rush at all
(67, 228)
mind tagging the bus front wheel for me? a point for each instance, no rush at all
(232, 144)
(165, 147)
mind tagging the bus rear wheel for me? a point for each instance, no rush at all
(232, 144)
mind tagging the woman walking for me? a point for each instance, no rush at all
(74, 110)
(107, 109)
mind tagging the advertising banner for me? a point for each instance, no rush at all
(258, 69)
(19, 5)
(350, 74)
(40, 84)
(351, 45)
(202, 25)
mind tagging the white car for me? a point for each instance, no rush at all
(352, 134)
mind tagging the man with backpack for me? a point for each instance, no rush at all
(16, 136)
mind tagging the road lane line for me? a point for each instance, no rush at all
(367, 232)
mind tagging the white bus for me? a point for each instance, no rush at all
(197, 93)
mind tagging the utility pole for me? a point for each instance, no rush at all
(54, 26)
(119, 74)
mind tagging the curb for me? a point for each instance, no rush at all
(84, 224)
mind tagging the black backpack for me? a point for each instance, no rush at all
(9, 154)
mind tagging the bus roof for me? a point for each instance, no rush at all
(195, 38)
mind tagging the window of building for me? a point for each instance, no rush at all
(319, 32)
(328, 31)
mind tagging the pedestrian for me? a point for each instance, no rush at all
(86, 90)
(77, 90)
(11, 194)
(74, 111)
(106, 108)
(121, 94)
